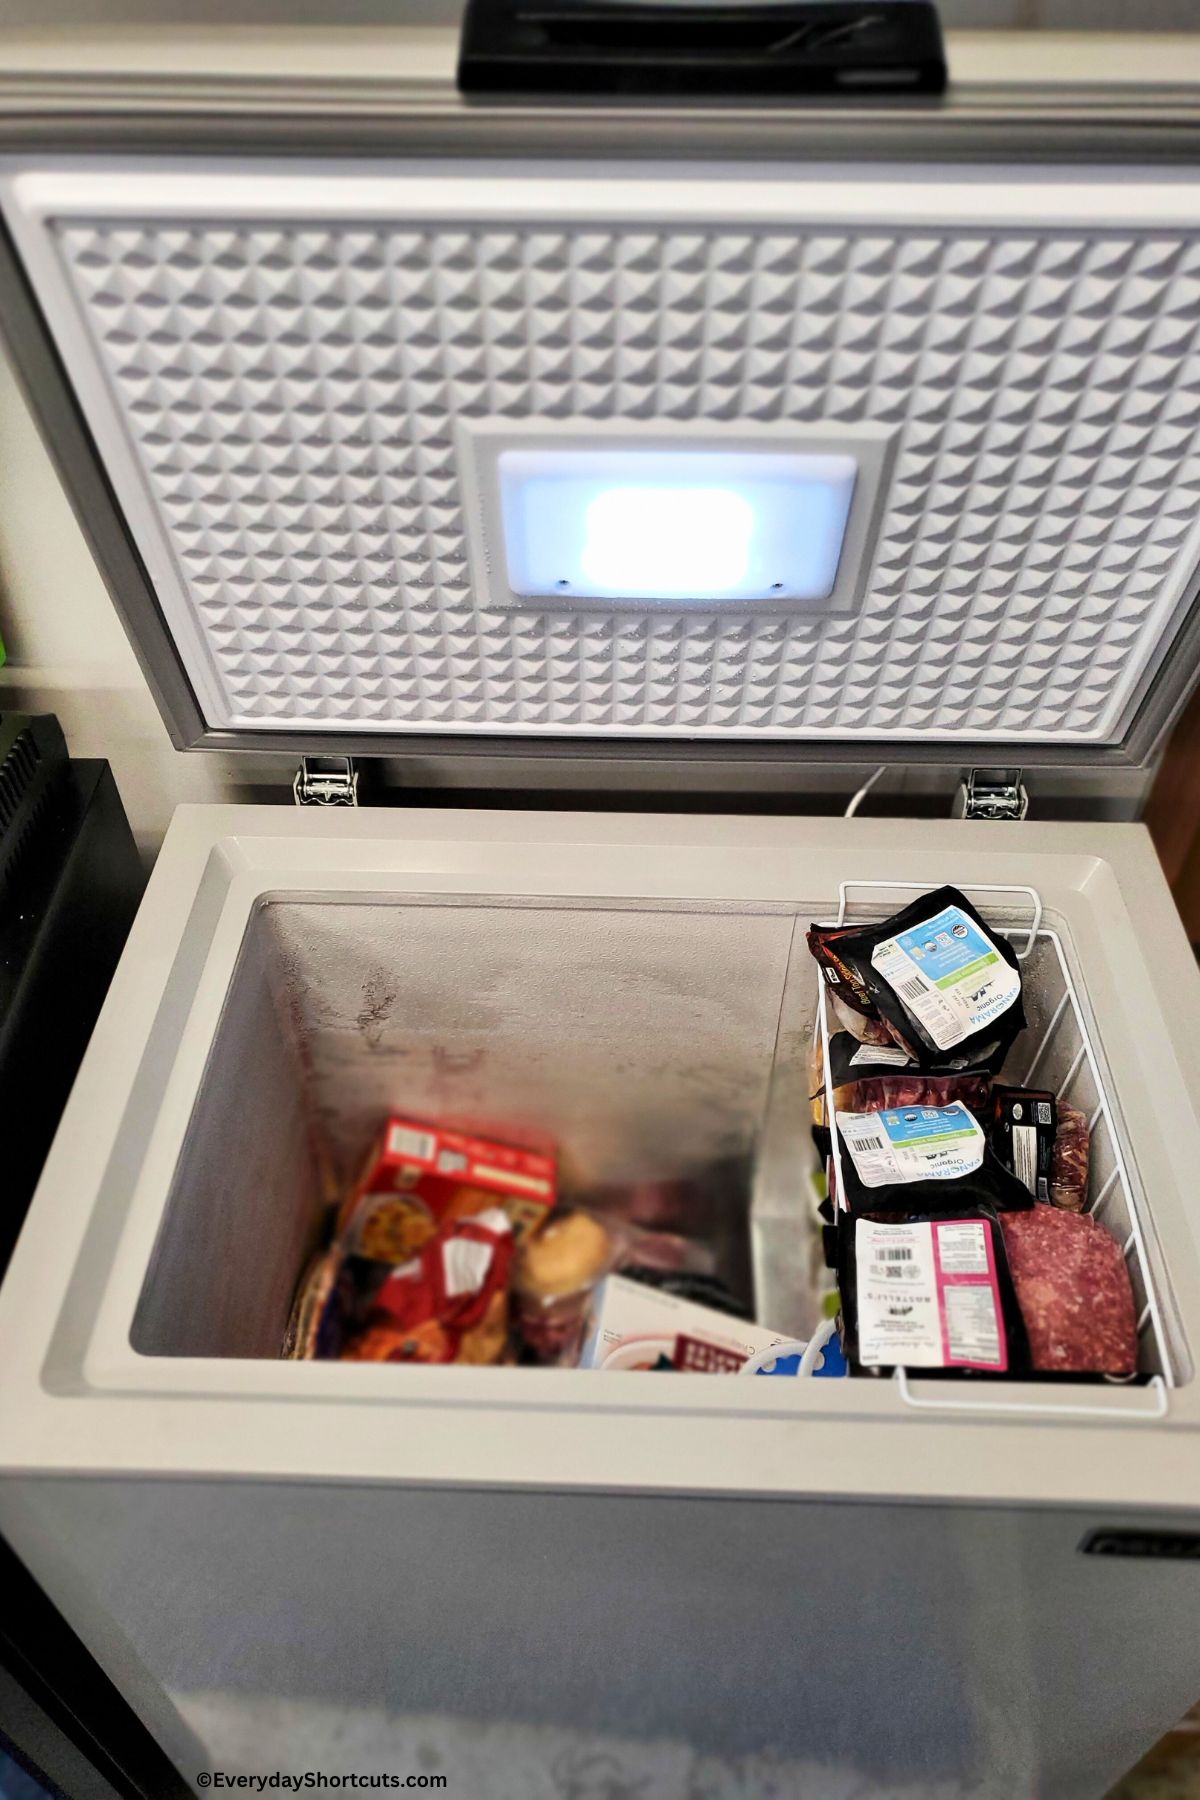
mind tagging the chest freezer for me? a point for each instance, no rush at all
(441, 443)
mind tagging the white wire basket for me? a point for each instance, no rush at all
(1056, 1051)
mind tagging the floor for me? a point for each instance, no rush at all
(1171, 1771)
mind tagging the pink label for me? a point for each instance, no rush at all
(968, 1295)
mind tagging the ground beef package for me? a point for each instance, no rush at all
(935, 973)
(926, 1158)
(929, 1292)
(1073, 1288)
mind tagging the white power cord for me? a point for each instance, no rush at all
(864, 790)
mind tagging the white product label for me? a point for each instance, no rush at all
(963, 1247)
(912, 1143)
(466, 1260)
(949, 974)
(928, 1296)
(892, 1057)
(972, 1322)
(1024, 1146)
(418, 1145)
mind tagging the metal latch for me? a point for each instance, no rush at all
(992, 794)
(326, 781)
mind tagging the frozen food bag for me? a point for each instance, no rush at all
(848, 989)
(315, 1327)
(865, 1030)
(871, 1078)
(557, 1268)
(1022, 1131)
(930, 1292)
(942, 980)
(921, 1157)
(448, 1304)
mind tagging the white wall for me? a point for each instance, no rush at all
(68, 653)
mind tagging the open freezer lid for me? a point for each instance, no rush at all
(308, 385)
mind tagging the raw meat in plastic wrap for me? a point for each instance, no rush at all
(884, 1085)
(881, 1093)
(1069, 1160)
(1074, 1292)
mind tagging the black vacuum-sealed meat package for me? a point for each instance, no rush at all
(1022, 1131)
(870, 1078)
(929, 1291)
(928, 1158)
(935, 973)
(853, 1006)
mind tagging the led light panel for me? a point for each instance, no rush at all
(691, 526)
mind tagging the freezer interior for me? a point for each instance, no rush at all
(663, 1050)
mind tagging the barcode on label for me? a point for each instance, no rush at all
(913, 989)
(897, 1254)
(420, 1145)
(864, 1140)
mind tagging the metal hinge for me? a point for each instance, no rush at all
(326, 781)
(992, 794)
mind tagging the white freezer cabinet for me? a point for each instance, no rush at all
(854, 1585)
(308, 406)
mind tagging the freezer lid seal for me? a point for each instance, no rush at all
(260, 376)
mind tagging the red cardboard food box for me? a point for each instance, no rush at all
(418, 1176)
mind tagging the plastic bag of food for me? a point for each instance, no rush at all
(851, 998)
(448, 1304)
(1072, 1283)
(867, 1078)
(558, 1267)
(929, 1291)
(921, 1158)
(864, 1030)
(937, 976)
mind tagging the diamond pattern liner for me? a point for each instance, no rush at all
(291, 393)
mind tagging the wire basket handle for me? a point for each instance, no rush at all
(975, 887)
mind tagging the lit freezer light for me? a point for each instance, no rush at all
(683, 525)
